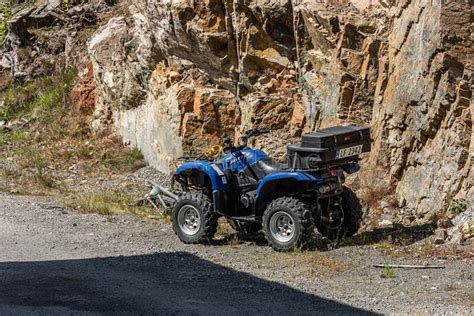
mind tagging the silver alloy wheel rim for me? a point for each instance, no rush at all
(188, 220)
(282, 227)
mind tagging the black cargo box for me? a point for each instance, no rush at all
(329, 146)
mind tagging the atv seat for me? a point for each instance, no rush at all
(267, 166)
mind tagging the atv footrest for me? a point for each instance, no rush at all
(250, 218)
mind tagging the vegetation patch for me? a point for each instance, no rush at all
(5, 14)
(45, 148)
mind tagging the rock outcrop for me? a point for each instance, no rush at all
(42, 39)
(174, 76)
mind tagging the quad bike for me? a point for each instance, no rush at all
(254, 192)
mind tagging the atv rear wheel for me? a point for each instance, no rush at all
(287, 223)
(244, 227)
(194, 221)
(352, 220)
(352, 212)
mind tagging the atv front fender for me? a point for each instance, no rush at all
(203, 168)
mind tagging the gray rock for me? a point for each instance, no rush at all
(440, 236)
(385, 223)
(463, 217)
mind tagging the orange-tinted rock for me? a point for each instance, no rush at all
(298, 119)
(185, 97)
(83, 95)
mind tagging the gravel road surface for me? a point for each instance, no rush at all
(57, 261)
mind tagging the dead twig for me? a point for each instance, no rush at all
(407, 266)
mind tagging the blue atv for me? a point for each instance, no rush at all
(288, 201)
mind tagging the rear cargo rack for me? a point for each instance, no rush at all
(324, 148)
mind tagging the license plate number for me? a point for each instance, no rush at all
(349, 151)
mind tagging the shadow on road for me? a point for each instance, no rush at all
(398, 234)
(164, 283)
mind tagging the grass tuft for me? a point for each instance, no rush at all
(388, 272)
(233, 240)
(130, 160)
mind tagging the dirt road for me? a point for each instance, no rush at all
(56, 261)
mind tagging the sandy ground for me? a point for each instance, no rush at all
(57, 261)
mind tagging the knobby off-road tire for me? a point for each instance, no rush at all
(352, 213)
(352, 209)
(194, 220)
(287, 223)
(244, 227)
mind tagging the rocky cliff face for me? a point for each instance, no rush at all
(173, 76)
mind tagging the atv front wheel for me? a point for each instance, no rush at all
(244, 227)
(287, 223)
(193, 218)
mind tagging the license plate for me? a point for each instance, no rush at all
(349, 151)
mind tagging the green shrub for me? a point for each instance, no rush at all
(457, 206)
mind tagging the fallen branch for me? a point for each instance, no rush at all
(407, 266)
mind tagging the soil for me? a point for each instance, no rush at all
(57, 261)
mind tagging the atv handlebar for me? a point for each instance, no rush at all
(243, 141)
(255, 132)
(215, 151)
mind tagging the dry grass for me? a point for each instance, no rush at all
(315, 263)
(232, 240)
(223, 227)
(108, 203)
(426, 249)
(371, 186)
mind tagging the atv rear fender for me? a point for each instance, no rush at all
(283, 184)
